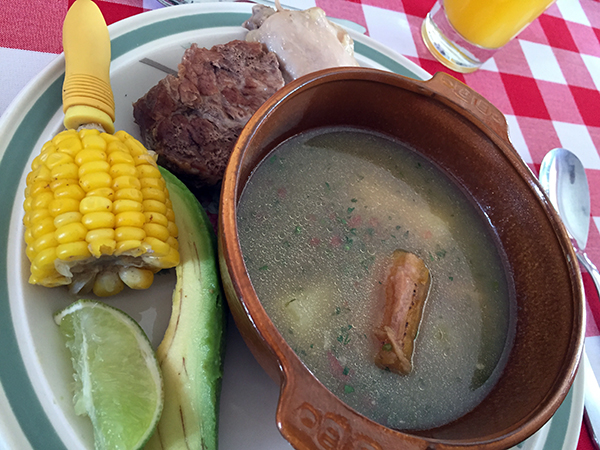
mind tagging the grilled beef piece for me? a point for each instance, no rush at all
(193, 120)
(406, 290)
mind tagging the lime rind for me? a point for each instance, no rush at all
(118, 382)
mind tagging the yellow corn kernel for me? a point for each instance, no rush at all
(173, 230)
(95, 180)
(122, 157)
(116, 146)
(93, 141)
(65, 135)
(70, 233)
(38, 187)
(101, 241)
(44, 262)
(59, 206)
(101, 219)
(123, 169)
(135, 146)
(158, 183)
(36, 216)
(154, 217)
(169, 260)
(100, 234)
(73, 251)
(144, 158)
(29, 239)
(88, 155)
(170, 214)
(42, 200)
(107, 283)
(28, 203)
(73, 191)
(129, 234)
(129, 194)
(32, 176)
(64, 182)
(27, 219)
(136, 278)
(126, 182)
(157, 231)
(91, 204)
(131, 247)
(154, 206)
(43, 227)
(30, 252)
(154, 194)
(105, 192)
(44, 242)
(83, 132)
(58, 159)
(47, 147)
(173, 242)
(159, 248)
(70, 146)
(130, 219)
(109, 138)
(93, 166)
(43, 173)
(120, 206)
(65, 171)
(66, 218)
(148, 171)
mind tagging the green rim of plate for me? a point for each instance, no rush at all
(13, 376)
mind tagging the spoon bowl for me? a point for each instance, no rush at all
(563, 177)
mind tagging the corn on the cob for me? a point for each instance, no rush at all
(97, 214)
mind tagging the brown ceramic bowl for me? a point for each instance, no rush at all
(466, 136)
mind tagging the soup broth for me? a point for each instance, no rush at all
(317, 221)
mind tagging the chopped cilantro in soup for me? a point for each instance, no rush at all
(318, 221)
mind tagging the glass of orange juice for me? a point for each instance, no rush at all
(463, 34)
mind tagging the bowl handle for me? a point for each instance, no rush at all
(311, 417)
(465, 97)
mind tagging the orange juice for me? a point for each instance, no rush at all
(492, 23)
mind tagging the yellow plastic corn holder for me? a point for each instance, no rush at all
(87, 95)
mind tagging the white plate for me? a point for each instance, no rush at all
(35, 371)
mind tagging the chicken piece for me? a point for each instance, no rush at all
(406, 289)
(304, 41)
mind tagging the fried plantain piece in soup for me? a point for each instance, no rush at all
(406, 288)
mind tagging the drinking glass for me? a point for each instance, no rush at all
(463, 34)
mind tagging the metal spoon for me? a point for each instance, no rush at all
(563, 178)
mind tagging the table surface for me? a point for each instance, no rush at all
(546, 81)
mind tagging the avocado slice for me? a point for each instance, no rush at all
(191, 352)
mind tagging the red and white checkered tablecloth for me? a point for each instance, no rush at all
(546, 82)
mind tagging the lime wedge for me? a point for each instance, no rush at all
(118, 383)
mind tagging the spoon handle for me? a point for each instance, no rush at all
(591, 413)
(591, 269)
